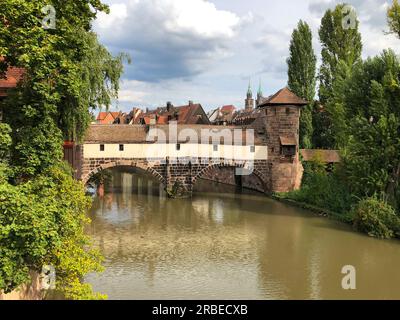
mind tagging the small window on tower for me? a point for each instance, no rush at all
(102, 147)
(287, 110)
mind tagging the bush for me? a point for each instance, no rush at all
(323, 190)
(377, 218)
(42, 223)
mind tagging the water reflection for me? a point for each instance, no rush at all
(229, 245)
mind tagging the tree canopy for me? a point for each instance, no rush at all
(301, 76)
(67, 73)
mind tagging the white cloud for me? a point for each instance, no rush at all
(169, 38)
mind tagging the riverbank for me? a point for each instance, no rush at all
(282, 197)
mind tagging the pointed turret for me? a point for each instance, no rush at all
(249, 92)
(249, 102)
(259, 95)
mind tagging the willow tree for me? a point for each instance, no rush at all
(67, 74)
(302, 64)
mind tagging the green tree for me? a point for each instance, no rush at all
(341, 49)
(67, 74)
(302, 81)
(372, 108)
(393, 18)
(338, 43)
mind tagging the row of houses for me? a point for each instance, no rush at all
(193, 113)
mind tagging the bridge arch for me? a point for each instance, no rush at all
(132, 164)
(257, 173)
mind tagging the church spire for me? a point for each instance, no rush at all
(260, 93)
(249, 102)
(249, 91)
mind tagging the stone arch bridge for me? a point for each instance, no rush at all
(181, 161)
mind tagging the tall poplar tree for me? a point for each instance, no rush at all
(341, 49)
(338, 43)
(301, 73)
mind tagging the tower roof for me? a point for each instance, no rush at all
(249, 91)
(284, 97)
(260, 93)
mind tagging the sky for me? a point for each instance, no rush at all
(207, 51)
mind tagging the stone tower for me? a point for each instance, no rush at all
(249, 102)
(282, 121)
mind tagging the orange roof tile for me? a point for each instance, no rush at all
(284, 97)
(102, 116)
(13, 76)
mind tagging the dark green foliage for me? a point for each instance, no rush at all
(372, 156)
(68, 73)
(322, 137)
(376, 218)
(341, 49)
(324, 190)
(302, 81)
(5, 141)
(338, 44)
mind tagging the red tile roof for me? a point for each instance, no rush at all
(189, 114)
(284, 97)
(11, 79)
(228, 109)
(102, 116)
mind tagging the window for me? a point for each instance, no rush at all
(121, 147)
(178, 147)
(287, 110)
(272, 149)
(215, 147)
(253, 149)
(288, 150)
(102, 147)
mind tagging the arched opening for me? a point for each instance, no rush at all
(123, 178)
(223, 177)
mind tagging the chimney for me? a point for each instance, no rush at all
(190, 102)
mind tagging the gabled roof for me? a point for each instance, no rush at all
(185, 114)
(284, 97)
(229, 108)
(102, 116)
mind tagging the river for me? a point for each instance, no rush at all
(228, 244)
